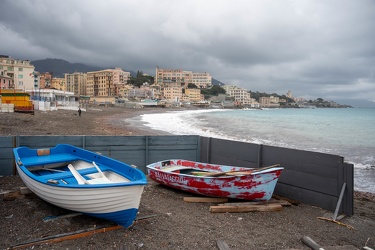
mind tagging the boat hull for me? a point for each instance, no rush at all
(117, 201)
(257, 186)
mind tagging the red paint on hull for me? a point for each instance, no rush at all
(259, 186)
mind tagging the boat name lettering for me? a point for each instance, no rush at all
(171, 178)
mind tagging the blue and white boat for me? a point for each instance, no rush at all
(82, 181)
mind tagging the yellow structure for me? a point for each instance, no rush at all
(19, 98)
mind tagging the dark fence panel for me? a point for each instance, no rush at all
(134, 150)
(129, 149)
(184, 147)
(310, 177)
(7, 143)
(227, 152)
(49, 141)
(318, 177)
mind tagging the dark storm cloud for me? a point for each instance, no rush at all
(314, 48)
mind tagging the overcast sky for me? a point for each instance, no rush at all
(314, 48)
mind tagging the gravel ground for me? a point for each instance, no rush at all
(168, 222)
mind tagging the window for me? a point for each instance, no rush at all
(20, 69)
(20, 76)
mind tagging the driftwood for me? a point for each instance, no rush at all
(66, 236)
(246, 208)
(335, 221)
(75, 235)
(205, 199)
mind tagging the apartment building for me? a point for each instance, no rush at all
(194, 95)
(167, 77)
(241, 96)
(269, 102)
(100, 83)
(173, 93)
(76, 83)
(20, 71)
(5, 81)
(173, 80)
(144, 92)
(58, 83)
(202, 80)
(45, 80)
(108, 82)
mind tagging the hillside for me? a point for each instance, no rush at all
(59, 67)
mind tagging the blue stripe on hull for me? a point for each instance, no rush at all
(124, 218)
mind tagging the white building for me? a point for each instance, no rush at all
(52, 99)
(20, 71)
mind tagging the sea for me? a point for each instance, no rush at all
(347, 132)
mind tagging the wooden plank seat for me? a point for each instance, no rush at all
(81, 180)
(68, 174)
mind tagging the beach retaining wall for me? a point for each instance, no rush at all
(313, 178)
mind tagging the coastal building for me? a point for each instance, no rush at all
(123, 90)
(144, 92)
(76, 83)
(58, 83)
(100, 83)
(173, 93)
(52, 99)
(20, 71)
(168, 77)
(5, 81)
(106, 83)
(241, 96)
(194, 95)
(269, 102)
(45, 80)
(202, 80)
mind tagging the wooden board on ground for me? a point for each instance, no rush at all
(248, 208)
(246, 203)
(205, 199)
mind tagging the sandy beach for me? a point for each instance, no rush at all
(165, 220)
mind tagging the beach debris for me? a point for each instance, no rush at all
(311, 243)
(75, 235)
(9, 217)
(66, 236)
(250, 206)
(246, 208)
(366, 247)
(222, 245)
(337, 222)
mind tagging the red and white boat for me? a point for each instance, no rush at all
(216, 180)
